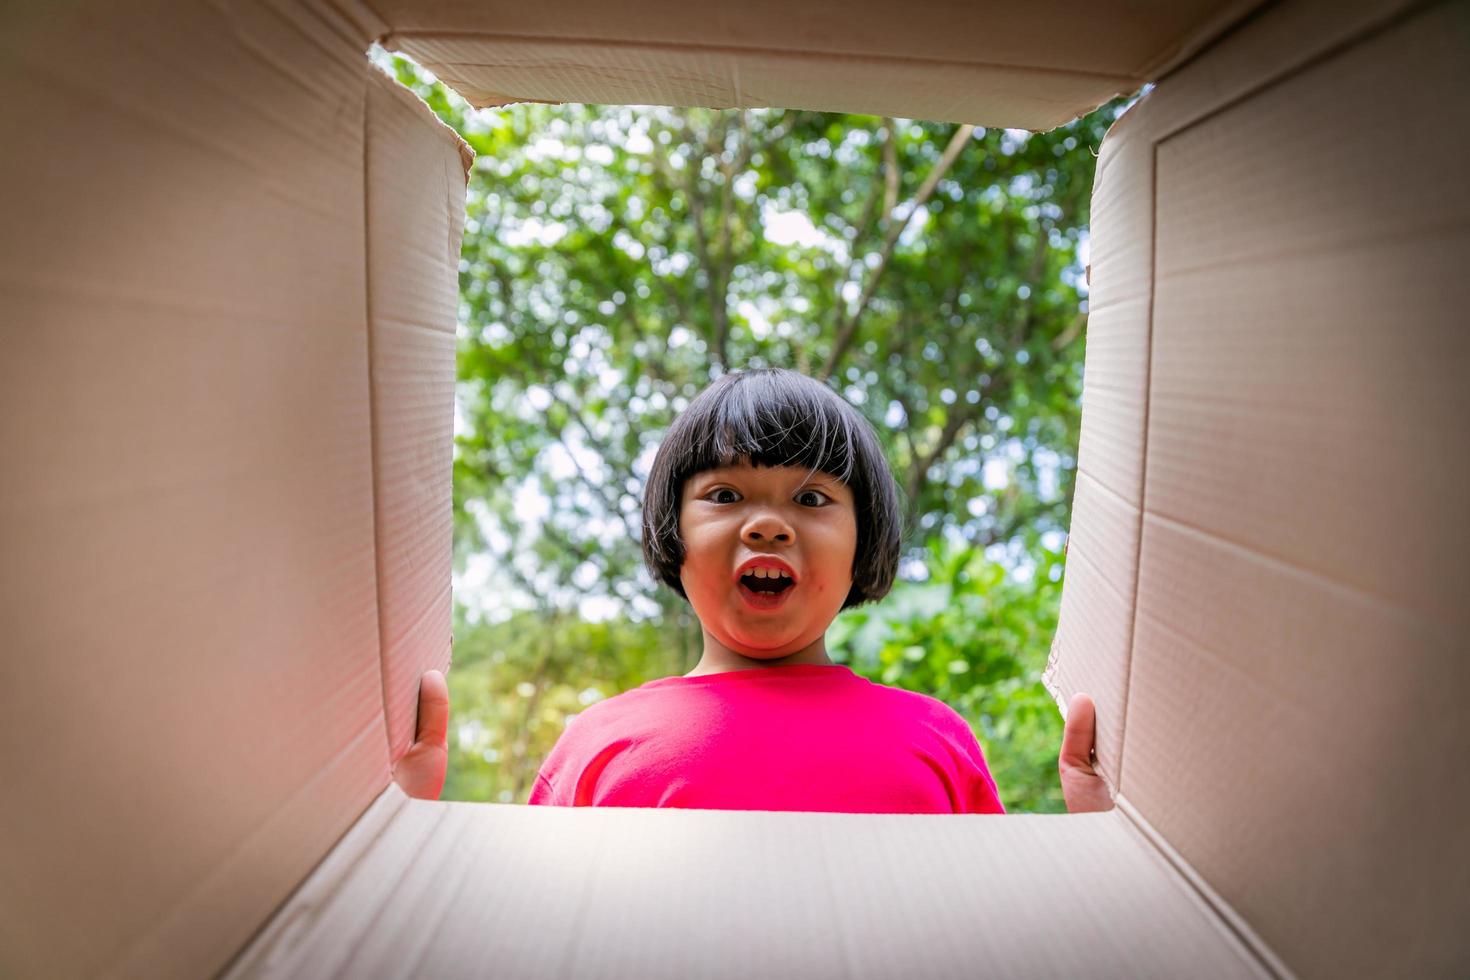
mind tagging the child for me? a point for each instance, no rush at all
(770, 508)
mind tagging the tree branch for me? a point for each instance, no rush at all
(890, 168)
(847, 324)
(961, 414)
(1026, 313)
(724, 259)
(908, 429)
(718, 312)
(954, 422)
(1067, 336)
(612, 496)
(884, 189)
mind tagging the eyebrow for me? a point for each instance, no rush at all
(703, 477)
(726, 475)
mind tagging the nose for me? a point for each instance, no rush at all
(766, 526)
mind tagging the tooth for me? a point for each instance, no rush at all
(762, 573)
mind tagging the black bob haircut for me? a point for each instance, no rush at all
(776, 417)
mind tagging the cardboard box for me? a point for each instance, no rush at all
(229, 263)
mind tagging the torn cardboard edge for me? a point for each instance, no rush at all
(426, 116)
(491, 70)
(702, 60)
(650, 52)
(1102, 43)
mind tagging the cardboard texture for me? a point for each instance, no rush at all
(1091, 652)
(226, 414)
(416, 170)
(194, 705)
(1275, 553)
(190, 576)
(1033, 66)
(610, 892)
(1300, 567)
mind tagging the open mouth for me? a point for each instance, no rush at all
(765, 588)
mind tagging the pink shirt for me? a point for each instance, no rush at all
(803, 737)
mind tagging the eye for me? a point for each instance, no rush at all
(718, 496)
(819, 500)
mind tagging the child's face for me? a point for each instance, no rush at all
(773, 516)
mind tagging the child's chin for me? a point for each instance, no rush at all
(758, 645)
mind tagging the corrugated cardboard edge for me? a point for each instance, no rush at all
(431, 119)
(394, 40)
(279, 932)
(414, 610)
(1054, 688)
(1208, 98)
(1114, 424)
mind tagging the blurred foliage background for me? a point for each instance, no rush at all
(616, 259)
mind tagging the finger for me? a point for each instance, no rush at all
(1079, 735)
(433, 726)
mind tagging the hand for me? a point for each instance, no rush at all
(420, 773)
(1083, 789)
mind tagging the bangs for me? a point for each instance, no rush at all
(770, 420)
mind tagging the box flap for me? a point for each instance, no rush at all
(1032, 66)
(1302, 613)
(416, 168)
(1296, 663)
(194, 707)
(614, 892)
(1091, 649)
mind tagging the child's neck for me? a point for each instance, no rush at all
(719, 658)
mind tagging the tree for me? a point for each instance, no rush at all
(616, 259)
